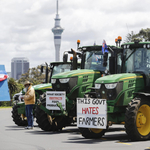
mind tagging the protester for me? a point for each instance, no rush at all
(29, 99)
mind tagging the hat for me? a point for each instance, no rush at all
(27, 82)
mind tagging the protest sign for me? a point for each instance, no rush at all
(53, 97)
(91, 113)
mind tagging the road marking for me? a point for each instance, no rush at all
(124, 143)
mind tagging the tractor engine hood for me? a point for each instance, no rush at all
(74, 73)
(67, 81)
(118, 77)
(42, 86)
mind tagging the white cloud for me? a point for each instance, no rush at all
(26, 25)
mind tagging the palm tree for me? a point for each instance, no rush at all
(12, 85)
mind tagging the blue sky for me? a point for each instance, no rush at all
(25, 25)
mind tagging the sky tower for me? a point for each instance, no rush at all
(57, 30)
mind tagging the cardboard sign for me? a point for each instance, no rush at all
(91, 113)
(53, 97)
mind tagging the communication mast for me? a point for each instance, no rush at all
(57, 30)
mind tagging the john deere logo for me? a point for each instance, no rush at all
(103, 92)
(58, 86)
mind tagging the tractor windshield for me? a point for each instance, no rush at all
(94, 60)
(136, 60)
(61, 68)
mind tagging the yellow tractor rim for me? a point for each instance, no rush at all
(23, 117)
(143, 120)
(96, 130)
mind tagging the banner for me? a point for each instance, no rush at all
(4, 90)
(91, 113)
(3, 75)
(53, 97)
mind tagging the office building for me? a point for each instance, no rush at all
(19, 66)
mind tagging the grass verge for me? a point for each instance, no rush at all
(2, 107)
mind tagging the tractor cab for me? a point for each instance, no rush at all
(136, 59)
(58, 67)
(94, 59)
(94, 64)
(55, 68)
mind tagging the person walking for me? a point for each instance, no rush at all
(29, 99)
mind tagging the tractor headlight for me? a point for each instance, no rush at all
(53, 81)
(144, 46)
(97, 86)
(111, 86)
(65, 80)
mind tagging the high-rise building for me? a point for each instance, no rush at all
(57, 30)
(19, 65)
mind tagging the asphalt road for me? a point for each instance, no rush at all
(13, 137)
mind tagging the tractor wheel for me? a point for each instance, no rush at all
(91, 133)
(59, 122)
(137, 119)
(42, 118)
(19, 119)
(48, 123)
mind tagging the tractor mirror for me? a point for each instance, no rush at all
(112, 65)
(74, 64)
(51, 66)
(65, 58)
(42, 68)
(82, 60)
(105, 57)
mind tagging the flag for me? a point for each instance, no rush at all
(97, 58)
(104, 47)
(3, 75)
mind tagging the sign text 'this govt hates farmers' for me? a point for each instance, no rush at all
(91, 113)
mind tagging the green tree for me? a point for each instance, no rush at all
(13, 86)
(130, 37)
(19, 87)
(143, 35)
(33, 75)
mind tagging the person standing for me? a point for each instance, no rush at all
(29, 99)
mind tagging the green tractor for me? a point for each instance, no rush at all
(58, 107)
(18, 110)
(127, 94)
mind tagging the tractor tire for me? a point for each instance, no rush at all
(137, 119)
(19, 119)
(90, 133)
(48, 123)
(42, 119)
